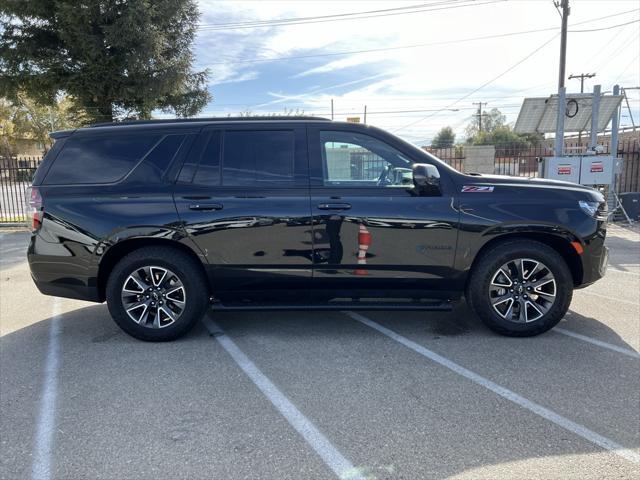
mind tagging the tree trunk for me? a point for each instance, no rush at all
(105, 113)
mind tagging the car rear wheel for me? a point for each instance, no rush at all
(520, 288)
(157, 293)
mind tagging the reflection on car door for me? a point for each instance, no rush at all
(374, 237)
(243, 197)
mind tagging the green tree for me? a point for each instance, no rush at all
(490, 121)
(445, 138)
(114, 57)
(26, 118)
(496, 132)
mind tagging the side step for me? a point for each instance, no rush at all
(428, 306)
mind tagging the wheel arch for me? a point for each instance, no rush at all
(111, 257)
(561, 244)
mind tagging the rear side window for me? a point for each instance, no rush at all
(258, 158)
(100, 159)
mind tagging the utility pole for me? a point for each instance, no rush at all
(582, 76)
(559, 143)
(563, 40)
(479, 114)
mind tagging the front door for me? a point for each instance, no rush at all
(243, 197)
(376, 239)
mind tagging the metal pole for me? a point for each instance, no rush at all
(563, 43)
(595, 110)
(615, 124)
(626, 99)
(365, 114)
(332, 109)
(559, 145)
(582, 76)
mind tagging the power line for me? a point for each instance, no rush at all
(287, 22)
(484, 84)
(336, 15)
(418, 45)
(605, 28)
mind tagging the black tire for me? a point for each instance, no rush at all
(185, 268)
(491, 261)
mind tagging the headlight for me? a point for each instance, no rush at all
(594, 209)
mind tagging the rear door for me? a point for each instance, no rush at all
(243, 196)
(375, 238)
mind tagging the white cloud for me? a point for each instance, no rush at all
(426, 78)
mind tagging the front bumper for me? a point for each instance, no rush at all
(594, 265)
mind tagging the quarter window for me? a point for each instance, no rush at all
(99, 159)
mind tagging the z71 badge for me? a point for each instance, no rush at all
(476, 189)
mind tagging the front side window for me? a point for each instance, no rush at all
(354, 159)
(258, 158)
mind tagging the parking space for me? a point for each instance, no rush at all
(321, 394)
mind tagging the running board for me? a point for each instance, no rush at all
(429, 306)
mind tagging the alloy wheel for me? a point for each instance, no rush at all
(522, 290)
(153, 296)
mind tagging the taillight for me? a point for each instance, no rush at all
(36, 209)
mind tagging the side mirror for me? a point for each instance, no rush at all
(426, 179)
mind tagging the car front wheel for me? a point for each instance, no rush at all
(520, 288)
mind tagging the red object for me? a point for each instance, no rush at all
(597, 167)
(35, 203)
(578, 247)
(564, 170)
(364, 241)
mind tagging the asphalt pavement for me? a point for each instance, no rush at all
(292, 395)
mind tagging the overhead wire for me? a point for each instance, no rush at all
(421, 45)
(335, 15)
(515, 65)
(276, 23)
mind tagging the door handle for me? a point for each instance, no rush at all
(206, 206)
(334, 206)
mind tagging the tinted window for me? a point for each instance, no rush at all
(209, 169)
(258, 158)
(99, 159)
(162, 154)
(355, 159)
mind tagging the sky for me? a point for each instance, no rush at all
(360, 61)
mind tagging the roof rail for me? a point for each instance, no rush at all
(207, 119)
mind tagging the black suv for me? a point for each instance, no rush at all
(164, 218)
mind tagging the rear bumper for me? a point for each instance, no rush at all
(58, 272)
(68, 289)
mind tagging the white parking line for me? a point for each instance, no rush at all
(615, 299)
(43, 452)
(322, 446)
(533, 407)
(600, 343)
